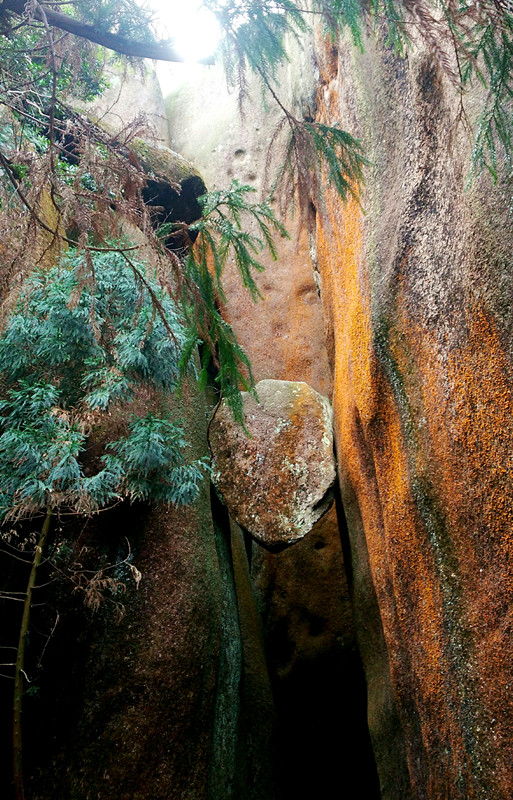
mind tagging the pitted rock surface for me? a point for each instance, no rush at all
(277, 481)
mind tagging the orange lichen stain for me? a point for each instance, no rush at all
(374, 460)
(445, 596)
(465, 398)
(446, 603)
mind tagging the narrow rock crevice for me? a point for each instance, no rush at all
(322, 739)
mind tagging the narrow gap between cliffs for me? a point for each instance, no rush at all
(321, 744)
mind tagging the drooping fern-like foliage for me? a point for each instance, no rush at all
(66, 176)
(314, 156)
(52, 158)
(470, 42)
(232, 229)
(225, 231)
(255, 35)
(487, 57)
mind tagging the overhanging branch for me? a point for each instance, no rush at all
(159, 51)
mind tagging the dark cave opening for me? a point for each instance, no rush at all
(167, 205)
(323, 743)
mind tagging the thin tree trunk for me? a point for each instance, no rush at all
(20, 664)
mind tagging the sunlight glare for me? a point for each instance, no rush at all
(193, 29)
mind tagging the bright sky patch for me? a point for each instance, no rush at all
(193, 29)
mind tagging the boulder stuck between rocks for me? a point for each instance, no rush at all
(277, 481)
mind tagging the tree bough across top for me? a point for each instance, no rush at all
(86, 336)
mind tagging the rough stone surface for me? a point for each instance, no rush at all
(132, 98)
(285, 338)
(173, 700)
(284, 332)
(418, 294)
(163, 164)
(132, 111)
(129, 709)
(276, 481)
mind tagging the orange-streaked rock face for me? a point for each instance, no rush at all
(418, 294)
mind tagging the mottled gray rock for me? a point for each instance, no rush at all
(133, 97)
(276, 481)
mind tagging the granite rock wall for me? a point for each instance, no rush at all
(418, 295)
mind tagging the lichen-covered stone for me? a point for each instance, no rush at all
(162, 163)
(418, 292)
(276, 481)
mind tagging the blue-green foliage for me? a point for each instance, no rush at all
(39, 447)
(151, 464)
(74, 347)
(97, 340)
(357, 16)
(337, 14)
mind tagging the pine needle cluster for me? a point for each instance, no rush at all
(314, 156)
(471, 43)
(255, 34)
(71, 349)
(231, 229)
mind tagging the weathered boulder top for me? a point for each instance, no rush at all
(133, 98)
(162, 163)
(277, 481)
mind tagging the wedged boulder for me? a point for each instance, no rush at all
(276, 478)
